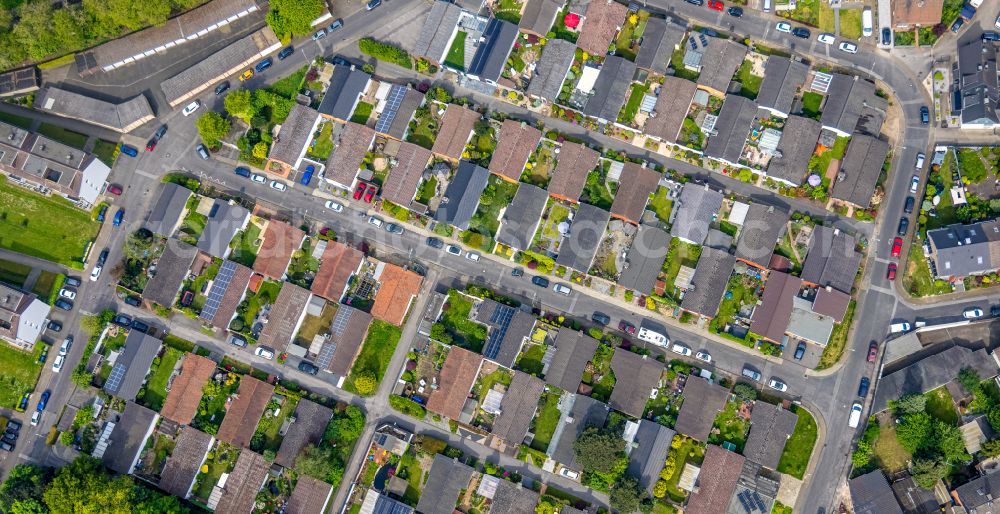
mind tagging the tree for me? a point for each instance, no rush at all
(260, 150)
(915, 431)
(991, 448)
(745, 392)
(293, 17)
(927, 471)
(321, 463)
(82, 487)
(25, 482)
(66, 438)
(909, 404)
(660, 488)
(598, 450)
(365, 383)
(212, 127)
(346, 427)
(969, 379)
(29, 506)
(626, 496)
(949, 440)
(993, 416)
(239, 104)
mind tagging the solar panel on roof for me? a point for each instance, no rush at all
(115, 379)
(219, 287)
(501, 320)
(326, 355)
(392, 103)
(340, 321)
(758, 501)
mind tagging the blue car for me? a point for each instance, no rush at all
(242, 171)
(101, 213)
(285, 53)
(44, 400)
(263, 65)
(130, 151)
(118, 217)
(307, 175)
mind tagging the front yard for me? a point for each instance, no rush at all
(18, 373)
(49, 228)
(799, 447)
(375, 355)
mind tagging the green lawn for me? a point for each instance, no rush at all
(266, 437)
(742, 293)
(324, 143)
(362, 112)
(530, 360)
(732, 428)
(679, 254)
(244, 250)
(940, 406)
(375, 353)
(456, 54)
(677, 63)
(550, 226)
(18, 373)
(289, 86)
(838, 339)
(811, 103)
(750, 83)
(106, 151)
(455, 318)
(423, 129)
(14, 273)
(497, 195)
(631, 108)
(68, 137)
(806, 11)
(917, 277)
(47, 286)
(48, 228)
(690, 451)
(970, 165)
(546, 421)
(661, 204)
(156, 388)
(17, 121)
(602, 365)
(799, 447)
(223, 461)
(850, 23)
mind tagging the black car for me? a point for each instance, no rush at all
(886, 36)
(160, 132)
(103, 257)
(800, 350)
(540, 281)
(600, 318)
(991, 35)
(904, 223)
(801, 32)
(736, 12)
(140, 326)
(995, 311)
(14, 426)
(908, 206)
(285, 53)
(242, 171)
(435, 242)
(9, 437)
(339, 61)
(957, 25)
(516, 272)
(863, 387)
(64, 304)
(54, 326)
(134, 301)
(122, 320)
(238, 340)
(7, 447)
(222, 88)
(925, 115)
(308, 367)
(72, 281)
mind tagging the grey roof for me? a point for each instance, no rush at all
(719, 63)
(224, 221)
(782, 79)
(574, 350)
(611, 88)
(702, 402)
(508, 328)
(129, 437)
(585, 233)
(845, 99)
(795, 148)
(637, 376)
(184, 462)
(832, 260)
(132, 365)
(549, 75)
(171, 270)
(347, 84)
(731, 129)
(649, 453)
(539, 15)
(310, 422)
(491, 56)
(121, 117)
(933, 370)
(977, 70)
(402, 114)
(808, 324)
(672, 104)
(761, 230)
(446, 478)
(295, 134)
(517, 228)
(980, 496)
(382, 504)
(871, 494)
(166, 213)
(770, 428)
(659, 40)
(915, 499)
(437, 32)
(586, 412)
(696, 208)
(709, 282)
(860, 169)
(645, 259)
(518, 408)
(461, 198)
(511, 498)
(770, 317)
(960, 250)
(311, 496)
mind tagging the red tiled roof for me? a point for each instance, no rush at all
(245, 411)
(456, 127)
(600, 25)
(515, 144)
(831, 302)
(456, 379)
(280, 241)
(284, 317)
(634, 188)
(182, 401)
(339, 262)
(926, 13)
(719, 473)
(570, 175)
(397, 288)
(401, 184)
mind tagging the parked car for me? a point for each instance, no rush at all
(307, 175)
(872, 351)
(914, 184)
(919, 164)
(263, 65)
(101, 213)
(566, 472)
(370, 194)
(863, 387)
(972, 313)
(695, 2)
(202, 151)
(115, 189)
(360, 190)
(899, 328)
(716, 5)
(44, 400)
(703, 356)
(995, 311)
(800, 351)
(242, 171)
(680, 349)
(784, 26)
(540, 281)
(191, 107)
(600, 318)
(908, 205)
(54, 325)
(222, 88)
(955, 27)
(66, 345)
(246, 75)
(67, 293)
(7, 447)
(736, 12)
(35, 418)
(826, 38)
(562, 289)
(119, 216)
(334, 206)
(375, 221)
(278, 186)
(238, 340)
(122, 320)
(64, 304)
(904, 223)
(285, 52)
(264, 352)
(319, 34)
(394, 228)
(801, 32)
(372, 4)
(101, 259)
(454, 250)
(891, 271)
(751, 373)
(14, 426)
(925, 115)
(626, 327)
(846, 46)
(339, 22)
(897, 246)
(886, 36)
(140, 326)
(777, 384)
(435, 242)
(516, 272)
(73, 281)
(58, 363)
(855, 418)
(308, 367)
(129, 150)
(96, 273)
(472, 256)
(134, 301)
(258, 178)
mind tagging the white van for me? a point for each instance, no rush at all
(899, 328)
(767, 5)
(866, 22)
(855, 418)
(652, 337)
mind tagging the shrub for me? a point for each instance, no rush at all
(385, 52)
(407, 406)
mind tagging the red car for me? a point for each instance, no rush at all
(716, 5)
(891, 275)
(115, 189)
(151, 144)
(872, 351)
(372, 189)
(626, 327)
(897, 246)
(187, 298)
(360, 190)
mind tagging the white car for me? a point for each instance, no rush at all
(783, 26)
(703, 356)
(64, 347)
(278, 186)
(997, 24)
(919, 164)
(777, 385)
(191, 107)
(855, 418)
(848, 47)
(36, 417)
(68, 294)
(680, 349)
(258, 178)
(375, 221)
(569, 473)
(334, 206)
(454, 250)
(826, 38)
(472, 256)
(96, 273)
(58, 364)
(562, 289)
(914, 184)
(264, 352)
(972, 313)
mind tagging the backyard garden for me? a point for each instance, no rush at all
(538, 169)
(486, 220)
(597, 376)
(371, 363)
